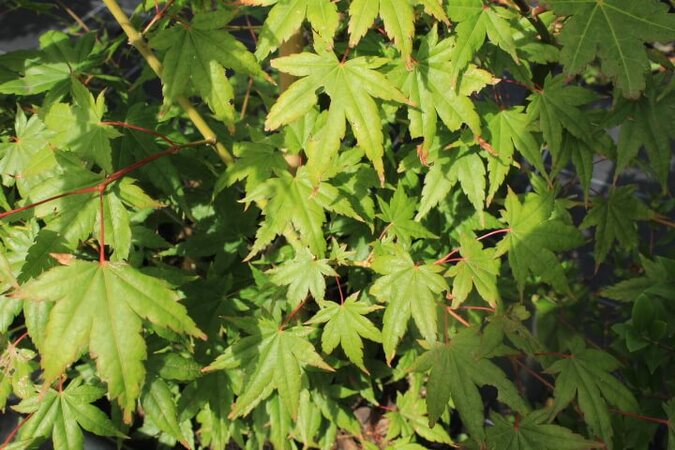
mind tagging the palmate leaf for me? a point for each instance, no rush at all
(351, 86)
(30, 136)
(286, 17)
(346, 325)
(614, 219)
(409, 290)
(457, 369)
(272, 359)
(556, 107)
(427, 87)
(398, 214)
(293, 201)
(509, 131)
(533, 238)
(303, 274)
(196, 57)
(533, 433)
(476, 21)
(101, 307)
(615, 31)
(78, 127)
(410, 418)
(61, 415)
(460, 163)
(586, 375)
(646, 122)
(477, 268)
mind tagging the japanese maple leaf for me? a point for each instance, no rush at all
(408, 289)
(346, 325)
(531, 432)
(427, 86)
(615, 219)
(101, 307)
(534, 236)
(398, 18)
(61, 415)
(272, 359)
(351, 86)
(303, 274)
(476, 20)
(398, 214)
(457, 370)
(615, 31)
(286, 17)
(196, 57)
(477, 268)
(30, 137)
(587, 375)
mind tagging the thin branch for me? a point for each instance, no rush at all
(658, 420)
(339, 286)
(447, 258)
(534, 374)
(14, 431)
(457, 317)
(526, 11)
(293, 313)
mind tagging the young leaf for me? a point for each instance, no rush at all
(196, 57)
(533, 238)
(427, 87)
(615, 31)
(351, 86)
(61, 415)
(346, 324)
(533, 433)
(286, 16)
(477, 267)
(586, 374)
(408, 289)
(476, 20)
(100, 306)
(410, 418)
(462, 164)
(398, 213)
(614, 219)
(303, 274)
(272, 359)
(159, 406)
(456, 371)
(30, 136)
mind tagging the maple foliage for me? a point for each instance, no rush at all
(377, 224)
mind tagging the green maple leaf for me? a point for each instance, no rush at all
(409, 418)
(427, 87)
(346, 325)
(477, 268)
(255, 163)
(614, 219)
(78, 127)
(646, 122)
(658, 281)
(61, 415)
(351, 86)
(615, 31)
(409, 290)
(272, 359)
(159, 407)
(30, 137)
(476, 21)
(509, 131)
(398, 213)
(457, 369)
(557, 108)
(286, 17)
(533, 433)
(587, 375)
(101, 307)
(533, 237)
(461, 163)
(289, 201)
(303, 274)
(196, 57)
(398, 18)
